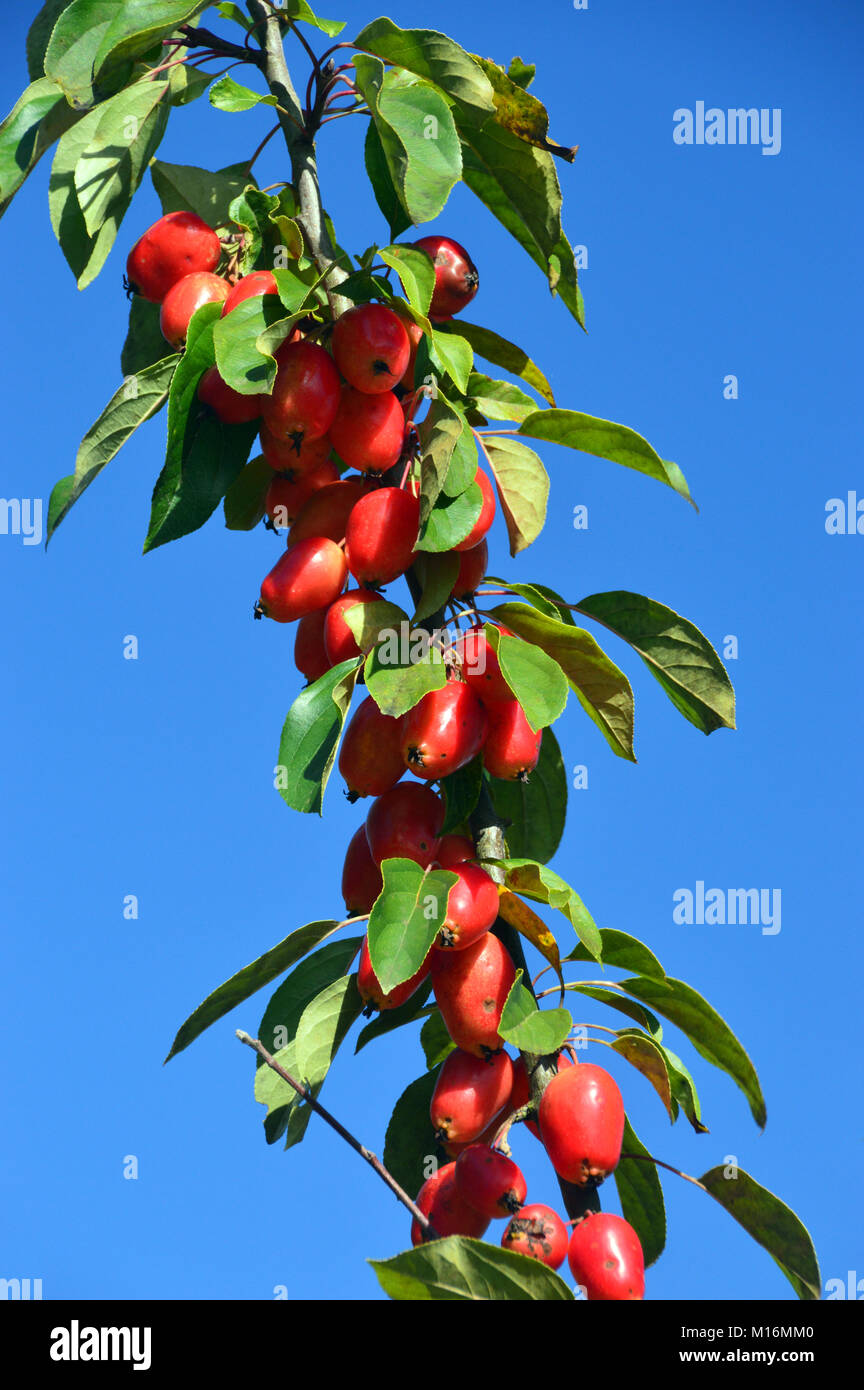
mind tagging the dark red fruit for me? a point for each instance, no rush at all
(468, 1094)
(456, 278)
(512, 748)
(538, 1231)
(339, 640)
(473, 565)
(371, 991)
(522, 1087)
(487, 513)
(472, 906)
(183, 298)
(361, 877)
(326, 512)
(307, 577)
(296, 458)
(450, 1215)
(259, 282)
(581, 1118)
(305, 394)
(371, 348)
(285, 499)
(178, 244)
(490, 1182)
(232, 407)
(310, 654)
(606, 1258)
(368, 431)
(444, 731)
(455, 850)
(370, 759)
(471, 988)
(415, 333)
(405, 823)
(381, 535)
(481, 670)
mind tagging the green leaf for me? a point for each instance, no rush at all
(94, 40)
(417, 134)
(535, 810)
(452, 355)
(186, 188)
(416, 273)
(386, 1021)
(144, 343)
(459, 1269)
(450, 520)
(536, 881)
(626, 1006)
(368, 621)
(641, 1196)
(250, 979)
(436, 575)
(643, 1053)
(228, 95)
(623, 951)
(125, 138)
(603, 690)
(502, 353)
(38, 118)
(187, 84)
(203, 455)
(540, 596)
(286, 1111)
(323, 1024)
(675, 652)
(521, 114)
(310, 736)
(771, 1223)
(410, 1141)
(537, 681)
(228, 10)
(282, 1016)
(135, 401)
(523, 488)
(684, 1090)
(462, 469)
(606, 440)
(521, 73)
(138, 26)
(298, 9)
(58, 502)
(395, 682)
(39, 33)
(461, 793)
(242, 364)
(500, 400)
(712, 1038)
(539, 1031)
(440, 430)
(244, 501)
(381, 179)
(405, 919)
(433, 56)
(435, 1040)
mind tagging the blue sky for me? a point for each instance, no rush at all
(154, 776)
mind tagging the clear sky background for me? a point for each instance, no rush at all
(154, 776)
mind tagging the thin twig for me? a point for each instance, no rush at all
(648, 1158)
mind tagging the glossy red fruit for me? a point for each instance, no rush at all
(305, 394)
(490, 1182)
(581, 1118)
(443, 732)
(183, 298)
(481, 670)
(339, 640)
(178, 244)
(405, 823)
(361, 877)
(368, 431)
(415, 333)
(538, 1231)
(472, 907)
(512, 748)
(606, 1258)
(310, 654)
(231, 407)
(258, 283)
(381, 535)
(473, 565)
(371, 991)
(487, 513)
(294, 458)
(456, 278)
(455, 850)
(326, 512)
(450, 1214)
(468, 1094)
(307, 577)
(370, 759)
(371, 348)
(285, 498)
(471, 987)
(521, 1093)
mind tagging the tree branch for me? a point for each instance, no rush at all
(196, 37)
